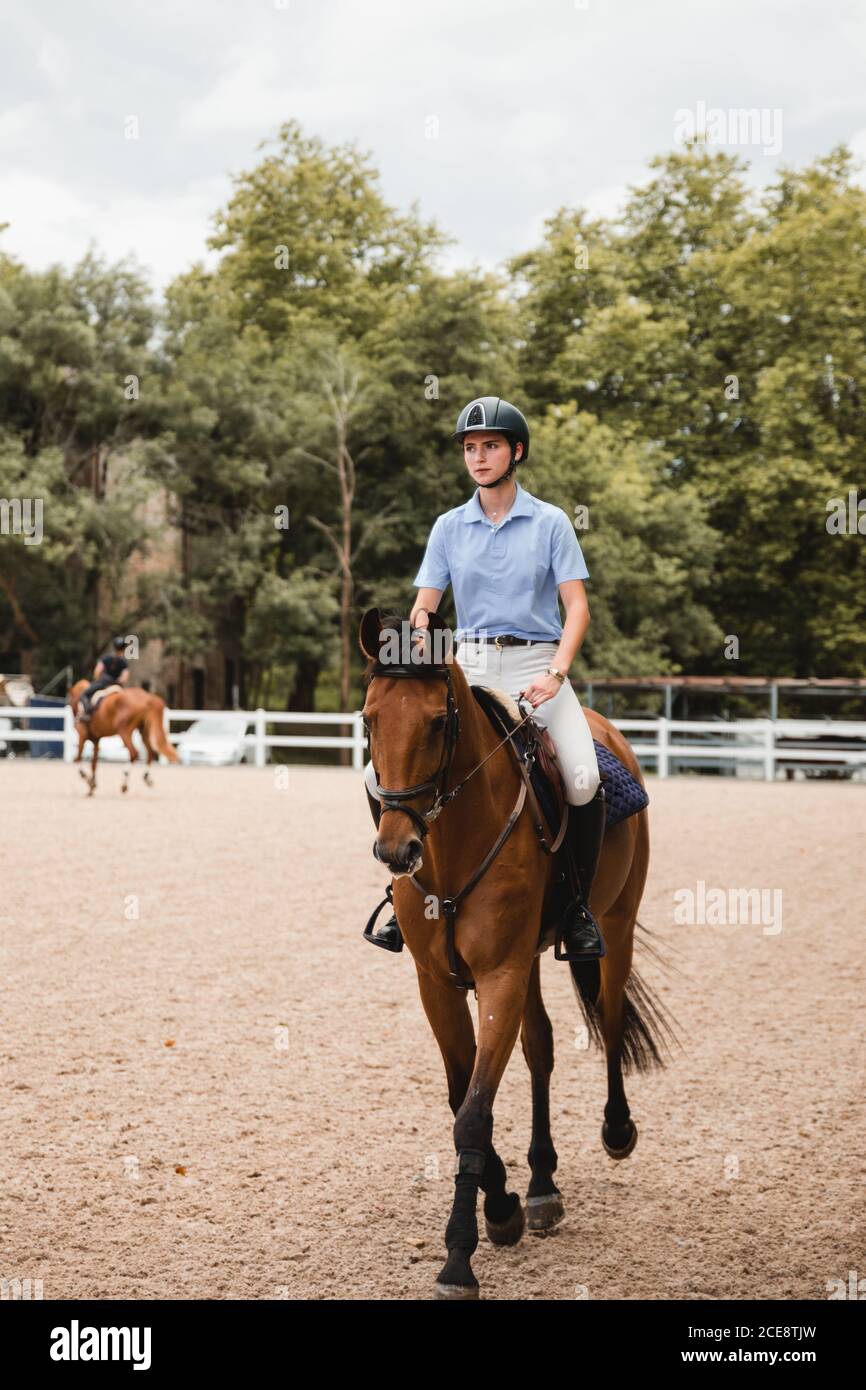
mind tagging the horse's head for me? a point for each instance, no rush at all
(411, 715)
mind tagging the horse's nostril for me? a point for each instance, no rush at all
(399, 858)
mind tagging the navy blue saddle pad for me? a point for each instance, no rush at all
(624, 793)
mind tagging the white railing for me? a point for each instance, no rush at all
(745, 741)
(13, 735)
(259, 740)
(740, 741)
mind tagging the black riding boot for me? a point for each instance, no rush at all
(578, 936)
(388, 936)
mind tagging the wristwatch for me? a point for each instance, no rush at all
(552, 671)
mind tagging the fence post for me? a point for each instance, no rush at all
(358, 741)
(769, 751)
(261, 750)
(68, 734)
(663, 765)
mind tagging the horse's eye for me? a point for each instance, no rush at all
(439, 722)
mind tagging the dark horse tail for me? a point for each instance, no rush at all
(648, 1030)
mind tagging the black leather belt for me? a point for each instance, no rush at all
(506, 640)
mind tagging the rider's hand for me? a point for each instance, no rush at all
(421, 619)
(541, 689)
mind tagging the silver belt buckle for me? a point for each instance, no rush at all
(496, 642)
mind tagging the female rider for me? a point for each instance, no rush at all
(506, 553)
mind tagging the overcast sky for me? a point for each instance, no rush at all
(534, 105)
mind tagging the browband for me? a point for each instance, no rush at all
(423, 671)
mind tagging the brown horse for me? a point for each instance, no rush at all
(496, 932)
(122, 712)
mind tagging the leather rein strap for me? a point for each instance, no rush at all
(391, 800)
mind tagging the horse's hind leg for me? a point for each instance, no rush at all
(619, 1131)
(447, 1010)
(125, 732)
(152, 755)
(543, 1200)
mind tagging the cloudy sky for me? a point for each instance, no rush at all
(532, 106)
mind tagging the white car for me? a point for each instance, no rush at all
(112, 748)
(216, 741)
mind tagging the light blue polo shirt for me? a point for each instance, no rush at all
(505, 577)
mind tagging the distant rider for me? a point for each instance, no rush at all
(111, 669)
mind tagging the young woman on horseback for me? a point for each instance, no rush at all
(507, 553)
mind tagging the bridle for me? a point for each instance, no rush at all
(392, 800)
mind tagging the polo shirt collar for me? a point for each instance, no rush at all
(473, 511)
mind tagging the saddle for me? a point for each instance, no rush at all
(101, 694)
(96, 701)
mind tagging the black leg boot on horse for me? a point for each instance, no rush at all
(577, 935)
(388, 936)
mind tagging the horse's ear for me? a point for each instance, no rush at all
(445, 645)
(368, 633)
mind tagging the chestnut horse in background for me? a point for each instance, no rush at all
(122, 712)
(414, 736)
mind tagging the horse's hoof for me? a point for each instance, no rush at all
(456, 1293)
(507, 1232)
(544, 1212)
(627, 1147)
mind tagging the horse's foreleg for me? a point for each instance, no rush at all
(82, 739)
(543, 1200)
(95, 742)
(448, 1013)
(500, 1006)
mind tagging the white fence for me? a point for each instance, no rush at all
(258, 741)
(763, 744)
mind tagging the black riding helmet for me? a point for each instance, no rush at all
(118, 643)
(487, 413)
